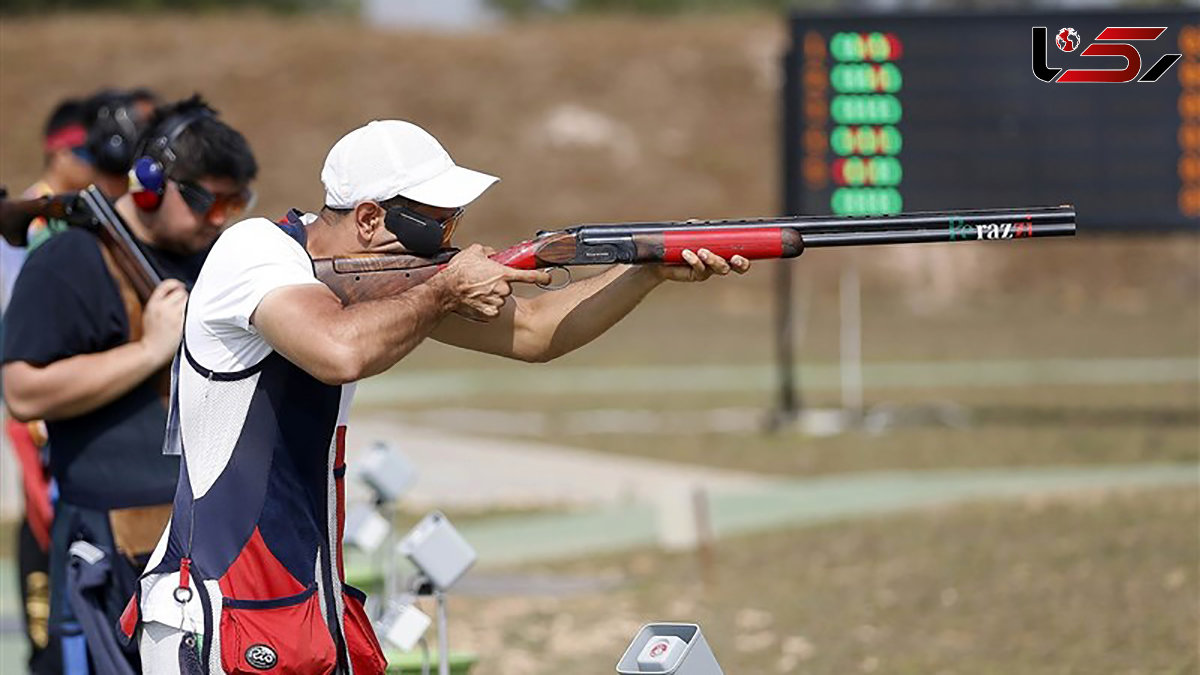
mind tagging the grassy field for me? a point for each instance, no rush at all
(1084, 584)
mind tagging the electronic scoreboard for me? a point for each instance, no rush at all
(910, 112)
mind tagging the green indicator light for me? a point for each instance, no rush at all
(855, 171)
(837, 109)
(840, 202)
(842, 141)
(890, 109)
(893, 202)
(865, 78)
(865, 109)
(890, 141)
(846, 47)
(884, 171)
(878, 47)
(865, 201)
(890, 79)
(866, 140)
(841, 79)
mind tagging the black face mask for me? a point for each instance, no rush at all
(417, 232)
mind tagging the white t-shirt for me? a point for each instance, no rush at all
(249, 260)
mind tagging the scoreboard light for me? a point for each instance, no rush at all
(865, 46)
(858, 201)
(865, 109)
(890, 141)
(884, 171)
(856, 171)
(865, 140)
(864, 78)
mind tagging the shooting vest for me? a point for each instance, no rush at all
(256, 529)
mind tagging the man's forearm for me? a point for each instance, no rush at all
(76, 385)
(384, 331)
(556, 323)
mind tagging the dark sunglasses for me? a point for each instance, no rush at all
(211, 206)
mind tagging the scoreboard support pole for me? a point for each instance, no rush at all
(787, 402)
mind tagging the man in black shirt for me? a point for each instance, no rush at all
(77, 354)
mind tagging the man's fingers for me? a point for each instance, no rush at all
(489, 311)
(539, 277)
(167, 287)
(739, 264)
(693, 260)
(715, 262)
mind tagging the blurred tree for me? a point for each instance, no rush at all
(282, 6)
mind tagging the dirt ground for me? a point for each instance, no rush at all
(1094, 583)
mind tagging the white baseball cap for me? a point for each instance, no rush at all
(387, 158)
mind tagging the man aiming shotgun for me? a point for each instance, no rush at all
(248, 576)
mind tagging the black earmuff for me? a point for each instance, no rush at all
(417, 232)
(113, 135)
(148, 177)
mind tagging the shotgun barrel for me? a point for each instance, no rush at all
(769, 238)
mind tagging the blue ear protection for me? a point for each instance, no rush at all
(148, 177)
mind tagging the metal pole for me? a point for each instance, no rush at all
(443, 638)
(851, 347)
(788, 403)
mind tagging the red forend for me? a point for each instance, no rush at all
(752, 244)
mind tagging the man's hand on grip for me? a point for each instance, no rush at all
(479, 286)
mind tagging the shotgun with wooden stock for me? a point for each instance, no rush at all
(358, 278)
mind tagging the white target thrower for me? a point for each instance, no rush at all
(669, 648)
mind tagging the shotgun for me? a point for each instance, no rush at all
(357, 278)
(88, 208)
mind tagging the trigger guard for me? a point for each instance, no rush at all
(552, 286)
